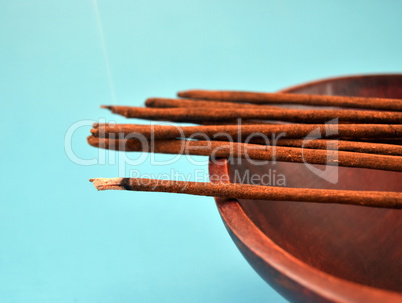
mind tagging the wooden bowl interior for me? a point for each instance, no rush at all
(359, 244)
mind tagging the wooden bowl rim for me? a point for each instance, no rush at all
(321, 283)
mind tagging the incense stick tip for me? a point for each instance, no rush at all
(183, 94)
(108, 183)
(150, 102)
(93, 141)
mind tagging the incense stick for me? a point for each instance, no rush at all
(256, 192)
(273, 135)
(342, 145)
(221, 149)
(169, 103)
(285, 98)
(246, 131)
(201, 114)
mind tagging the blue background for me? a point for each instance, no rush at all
(60, 239)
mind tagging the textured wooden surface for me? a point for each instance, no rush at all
(323, 253)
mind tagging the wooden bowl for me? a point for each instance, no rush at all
(311, 252)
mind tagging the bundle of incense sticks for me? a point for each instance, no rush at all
(365, 132)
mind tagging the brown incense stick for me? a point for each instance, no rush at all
(201, 114)
(247, 131)
(394, 141)
(284, 98)
(239, 133)
(169, 103)
(221, 149)
(344, 145)
(257, 192)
